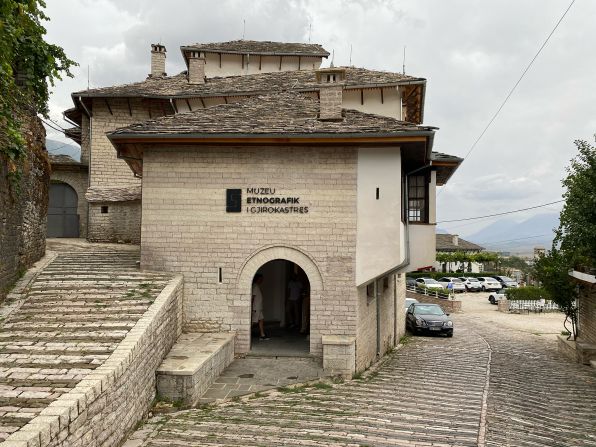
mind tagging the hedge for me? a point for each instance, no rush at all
(529, 293)
(437, 275)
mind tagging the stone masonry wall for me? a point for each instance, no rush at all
(587, 314)
(105, 406)
(78, 181)
(105, 168)
(121, 223)
(186, 228)
(23, 213)
(366, 341)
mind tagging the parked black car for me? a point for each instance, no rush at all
(428, 318)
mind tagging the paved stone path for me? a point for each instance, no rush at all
(256, 374)
(66, 323)
(432, 392)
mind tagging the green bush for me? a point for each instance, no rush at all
(526, 293)
(437, 275)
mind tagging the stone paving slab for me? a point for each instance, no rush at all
(65, 322)
(489, 385)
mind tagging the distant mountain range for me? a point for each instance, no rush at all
(517, 237)
(60, 148)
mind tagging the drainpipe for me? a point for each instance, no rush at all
(90, 116)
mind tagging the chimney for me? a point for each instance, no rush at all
(196, 67)
(455, 238)
(331, 87)
(158, 60)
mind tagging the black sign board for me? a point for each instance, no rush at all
(233, 200)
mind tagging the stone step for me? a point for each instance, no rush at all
(43, 374)
(66, 326)
(63, 384)
(90, 336)
(28, 399)
(81, 317)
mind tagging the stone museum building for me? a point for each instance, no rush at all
(257, 161)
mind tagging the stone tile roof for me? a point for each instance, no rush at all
(259, 47)
(440, 156)
(62, 159)
(445, 243)
(113, 194)
(301, 80)
(287, 113)
(445, 165)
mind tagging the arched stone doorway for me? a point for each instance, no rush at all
(63, 218)
(281, 296)
(287, 257)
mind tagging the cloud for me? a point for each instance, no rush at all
(471, 52)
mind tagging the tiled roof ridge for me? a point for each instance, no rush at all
(260, 47)
(299, 74)
(278, 112)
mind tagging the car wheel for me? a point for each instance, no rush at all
(450, 334)
(483, 289)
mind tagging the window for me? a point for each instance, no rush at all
(418, 199)
(104, 210)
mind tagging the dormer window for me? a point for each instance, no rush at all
(331, 77)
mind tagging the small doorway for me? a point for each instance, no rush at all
(63, 220)
(285, 310)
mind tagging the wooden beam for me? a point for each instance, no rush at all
(361, 96)
(299, 61)
(108, 105)
(273, 140)
(260, 60)
(203, 102)
(129, 107)
(242, 56)
(219, 60)
(280, 58)
(382, 98)
(225, 99)
(188, 104)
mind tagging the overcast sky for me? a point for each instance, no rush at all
(471, 52)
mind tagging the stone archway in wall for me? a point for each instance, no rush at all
(241, 311)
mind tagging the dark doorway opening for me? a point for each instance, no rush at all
(63, 219)
(285, 291)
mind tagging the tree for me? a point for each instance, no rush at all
(577, 230)
(575, 239)
(27, 64)
(552, 271)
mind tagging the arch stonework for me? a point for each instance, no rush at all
(241, 311)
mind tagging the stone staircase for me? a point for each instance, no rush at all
(70, 319)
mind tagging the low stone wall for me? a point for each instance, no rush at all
(448, 306)
(577, 351)
(105, 406)
(192, 365)
(339, 355)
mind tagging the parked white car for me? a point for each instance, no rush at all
(429, 283)
(456, 283)
(497, 296)
(472, 284)
(489, 283)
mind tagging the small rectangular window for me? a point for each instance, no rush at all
(377, 193)
(104, 209)
(220, 275)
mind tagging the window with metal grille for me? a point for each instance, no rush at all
(418, 199)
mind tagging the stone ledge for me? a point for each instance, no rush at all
(192, 365)
(337, 340)
(577, 351)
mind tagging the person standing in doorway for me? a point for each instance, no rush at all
(257, 306)
(294, 293)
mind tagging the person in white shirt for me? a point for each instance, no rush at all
(257, 305)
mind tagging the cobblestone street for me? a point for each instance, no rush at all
(433, 391)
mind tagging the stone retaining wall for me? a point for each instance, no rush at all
(448, 306)
(105, 406)
(23, 209)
